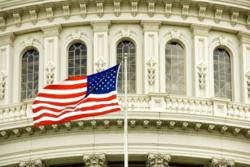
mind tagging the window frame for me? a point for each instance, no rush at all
(21, 72)
(67, 53)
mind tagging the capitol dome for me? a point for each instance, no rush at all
(188, 81)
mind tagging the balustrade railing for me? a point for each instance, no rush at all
(153, 103)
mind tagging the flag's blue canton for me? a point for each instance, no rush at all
(102, 82)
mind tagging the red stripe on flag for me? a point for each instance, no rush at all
(76, 117)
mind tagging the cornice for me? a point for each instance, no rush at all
(134, 122)
(40, 12)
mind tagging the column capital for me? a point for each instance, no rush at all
(7, 39)
(95, 160)
(32, 163)
(158, 160)
(200, 29)
(50, 31)
(244, 37)
(150, 25)
(221, 162)
(100, 26)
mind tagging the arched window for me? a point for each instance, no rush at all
(222, 73)
(77, 60)
(127, 47)
(30, 74)
(175, 68)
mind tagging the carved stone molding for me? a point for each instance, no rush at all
(174, 34)
(185, 10)
(83, 9)
(50, 31)
(222, 40)
(202, 72)
(117, 7)
(134, 7)
(99, 8)
(7, 39)
(234, 18)
(151, 71)
(49, 13)
(151, 7)
(202, 12)
(17, 19)
(158, 160)
(77, 36)
(100, 64)
(28, 42)
(100, 26)
(221, 162)
(95, 160)
(33, 16)
(50, 73)
(248, 83)
(218, 15)
(2, 85)
(66, 11)
(168, 9)
(31, 163)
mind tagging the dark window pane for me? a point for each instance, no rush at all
(30, 73)
(222, 73)
(128, 48)
(77, 62)
(175, 68)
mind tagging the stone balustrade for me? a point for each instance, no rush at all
(153, 103)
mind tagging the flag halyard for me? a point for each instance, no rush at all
(77, 97)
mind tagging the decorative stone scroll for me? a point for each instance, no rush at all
(158, 160)
(17, 19)
(83, 9)
(151, 71)
(221, 162)
(202, 75)
(134, 7)
(218, 15)
(2, 85)
(151, 8)
(33, 16)
(31, 163)
(99, 8)
(202, 12)
(117, 7)
(95, 160)
(50, 73)
(168, 9)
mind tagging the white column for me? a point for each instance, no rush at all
(51, 57)
(101, 52)
(6, 68)
(245, 67)
(151, 56)
(200, 66)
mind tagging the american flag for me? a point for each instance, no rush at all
(77, 97)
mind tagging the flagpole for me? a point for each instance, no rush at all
(125, 113)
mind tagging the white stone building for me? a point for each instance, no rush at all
(189, 81)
